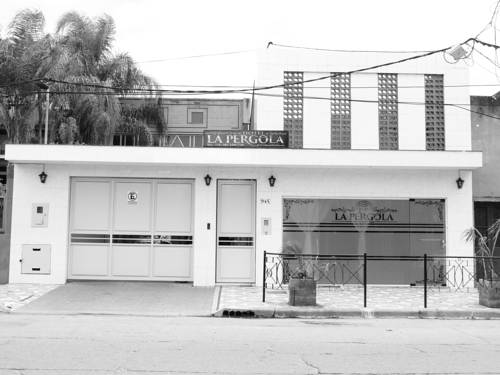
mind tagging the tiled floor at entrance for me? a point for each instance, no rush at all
(378, 297)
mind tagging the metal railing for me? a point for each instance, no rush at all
(456, 272)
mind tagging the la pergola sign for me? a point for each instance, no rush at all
(246, 139)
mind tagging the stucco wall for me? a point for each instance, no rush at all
(291, 182)
(273, 61)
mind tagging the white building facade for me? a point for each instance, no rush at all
(372, 166)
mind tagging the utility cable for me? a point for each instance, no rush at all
(198, 56)
(269, 44)
(269, 87)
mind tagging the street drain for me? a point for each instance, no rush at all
(238, 314)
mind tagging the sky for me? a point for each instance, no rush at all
(161, 35)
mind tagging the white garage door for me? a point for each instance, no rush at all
(129, 229)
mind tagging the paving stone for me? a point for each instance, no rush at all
(351, 297)
(13, 296)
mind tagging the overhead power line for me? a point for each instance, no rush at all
(21, 83)
(155, 90)
(269, 87)
(134, 95)
(249, 88)
(197, 56)
(462, 106)
(272, 44)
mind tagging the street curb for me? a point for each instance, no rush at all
(216, 299)
(107, 313)
(362, 313)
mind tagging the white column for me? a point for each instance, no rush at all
(411, 117)
(316, 111)
(364, 115)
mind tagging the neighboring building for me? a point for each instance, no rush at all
(184, 120)
(364, 172)
(485, 125)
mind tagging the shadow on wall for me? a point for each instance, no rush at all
(5, 232)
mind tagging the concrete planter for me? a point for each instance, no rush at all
(489, 293)
(302, 292)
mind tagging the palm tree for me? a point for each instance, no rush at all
(87, 59)
(25, 56)
(78, 62)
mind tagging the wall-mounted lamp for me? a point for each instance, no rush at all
(272, 180)
(208, 179)
(43, 177)
(459, 182)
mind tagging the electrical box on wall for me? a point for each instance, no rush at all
(35, 259)
(39, 214)
(266, 226)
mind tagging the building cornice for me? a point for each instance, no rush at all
(241, 157)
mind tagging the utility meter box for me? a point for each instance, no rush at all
(35, 259)
(39, 214)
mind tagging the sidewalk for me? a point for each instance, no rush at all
(337, 302)
(150, 299)
(125, 298)
(14, 296)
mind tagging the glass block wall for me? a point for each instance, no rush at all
(388, 111)
(293, 103)
(340, 94)
(434, 112)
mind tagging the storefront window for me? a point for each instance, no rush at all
(377, 227)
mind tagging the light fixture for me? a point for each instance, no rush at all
(459, 182)
(272, 180)
(43, 176)
(208, 179)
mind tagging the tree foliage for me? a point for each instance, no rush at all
(80, 53)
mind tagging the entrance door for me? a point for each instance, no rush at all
(235, 231)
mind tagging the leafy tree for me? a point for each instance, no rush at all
(25, 55)
(78, 63)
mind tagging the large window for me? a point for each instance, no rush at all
(377, 227)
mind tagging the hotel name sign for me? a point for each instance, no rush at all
(246, 139)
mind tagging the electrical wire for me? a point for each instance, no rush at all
(462, 106)
(21, 83)
(269, 87)
(261, 88)
(269, 44)
(248, 88)
(490, 23)
(197, 56)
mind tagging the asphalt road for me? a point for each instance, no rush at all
(40, 344)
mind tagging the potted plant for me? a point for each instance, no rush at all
(488, 282)
(301, 283)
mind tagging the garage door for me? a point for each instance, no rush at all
(130, 229)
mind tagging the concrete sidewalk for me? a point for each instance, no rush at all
(14, 296)
(339, 302)
(123, 298)
(173, 299)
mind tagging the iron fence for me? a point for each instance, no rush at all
(427, 271)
